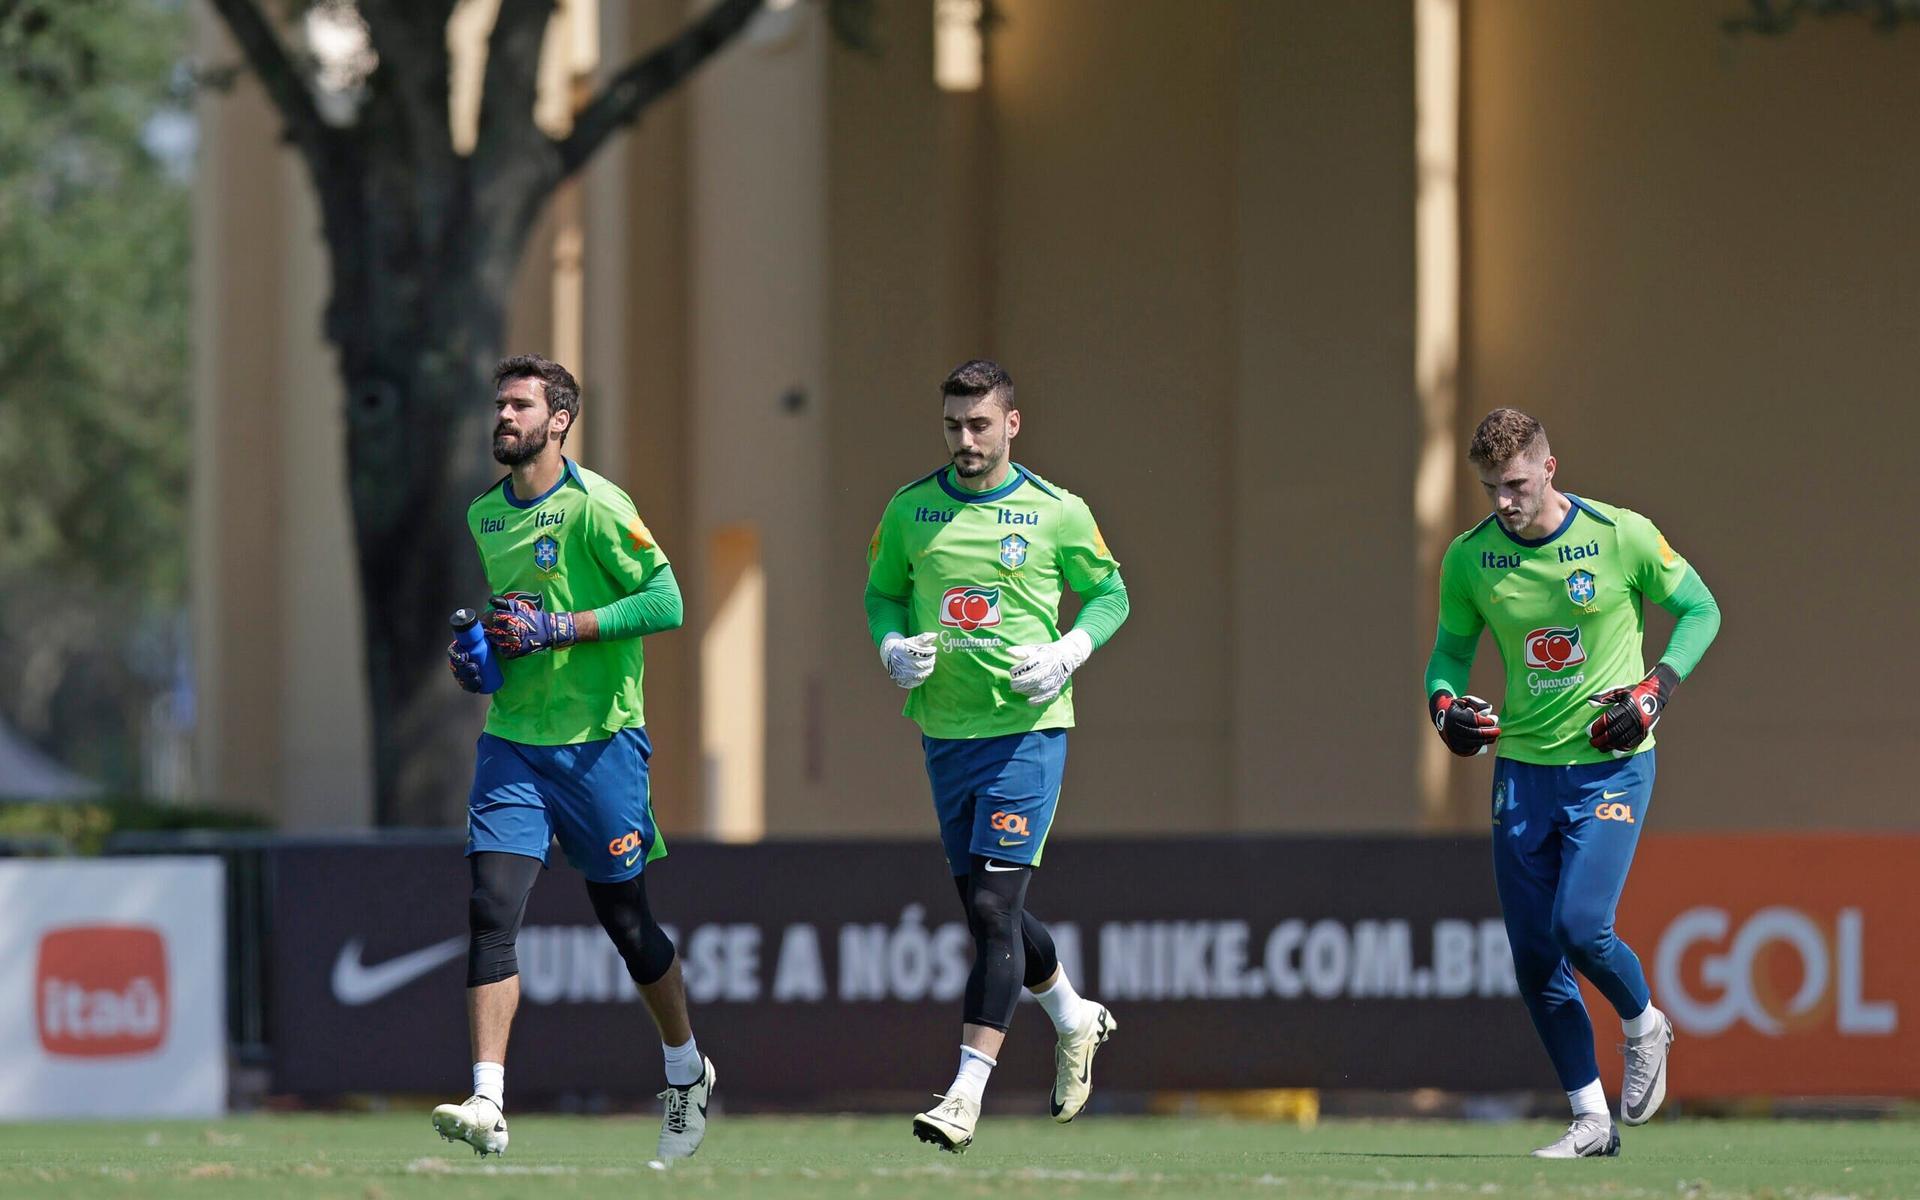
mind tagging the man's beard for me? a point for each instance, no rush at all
(985, 465)
(525, 449)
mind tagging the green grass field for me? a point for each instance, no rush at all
(391, 1157)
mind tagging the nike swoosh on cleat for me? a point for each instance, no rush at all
(355, 984)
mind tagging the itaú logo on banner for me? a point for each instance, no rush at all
(1780, 972)
(101, 990)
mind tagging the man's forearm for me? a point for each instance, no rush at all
(1699, 622)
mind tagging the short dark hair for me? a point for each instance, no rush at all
(562, 390)
(1504, 435)
(979, 377)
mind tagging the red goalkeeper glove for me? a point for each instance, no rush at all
(1467, 724)
(1631, 713)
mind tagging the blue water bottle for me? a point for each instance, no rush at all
(473, 639)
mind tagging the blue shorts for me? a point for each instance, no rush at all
(995, 796)
(591, 795)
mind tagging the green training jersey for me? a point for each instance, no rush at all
(985, 570)
(580, 546)
(1566, 615)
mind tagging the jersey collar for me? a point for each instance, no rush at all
(568, 471)
(1016, 476)
(1575, 506)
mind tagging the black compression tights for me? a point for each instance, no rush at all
(498, 903)
(1010, 945)
(623, 912)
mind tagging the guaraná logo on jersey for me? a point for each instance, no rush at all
(546, 554)
(1580, 588)
(1555, 648)
(970, 608)
(1013, 551)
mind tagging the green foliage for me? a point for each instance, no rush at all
(94, 401)
(94, 407)
(82, 828)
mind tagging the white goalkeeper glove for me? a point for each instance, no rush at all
(908, 660)
(1042, 670)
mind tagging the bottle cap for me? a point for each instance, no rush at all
(464, 617)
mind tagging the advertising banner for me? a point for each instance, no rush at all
(820, 969)
(1786, 962)
(112, 988)
(834, 969)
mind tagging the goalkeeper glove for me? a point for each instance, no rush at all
(466, 672)
(1631, 713)
(1043, 670)
(1467, 724)
(517, 626)
(908, 660)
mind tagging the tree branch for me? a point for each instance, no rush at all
(410, 38)
(647, 79)
(512, 81)
(285, 85)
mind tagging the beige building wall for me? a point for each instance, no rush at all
(1187, 228)
(1181, 281)
(1693, 257)
(283, 728)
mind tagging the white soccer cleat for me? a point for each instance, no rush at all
(1589, 1136)
(949, 1124)
(477, 1121)
(1073, 1063)
(685, 1123)
(1645, 1084)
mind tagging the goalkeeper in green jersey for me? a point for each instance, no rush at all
(964, 579)
(577, 581)
(1561, 583)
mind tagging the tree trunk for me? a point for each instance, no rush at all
(422, 243)
(418, 424)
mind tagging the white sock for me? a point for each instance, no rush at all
(1642, 1025)
(1589, 1101)
(971, 1082)
(684, 1065)
(490, 1080)
(1063, 1005)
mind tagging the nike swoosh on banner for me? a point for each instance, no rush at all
(355, 984)
(1611, 795)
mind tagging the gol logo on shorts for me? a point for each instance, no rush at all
(1614, 812)
(624, 845)
(1010, 823)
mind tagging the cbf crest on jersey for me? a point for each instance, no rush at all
(1580, 588)
(546, 553)
(1013, 551)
